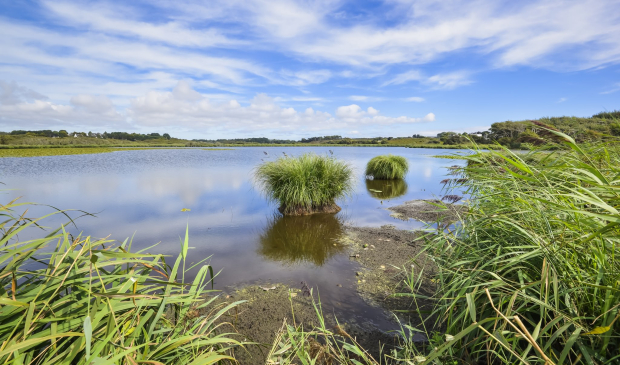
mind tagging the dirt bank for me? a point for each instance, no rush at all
(386, 255)
(259, 319)
(426, 211)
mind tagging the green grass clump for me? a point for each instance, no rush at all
(306, 184)
(387, 167)
(80, 300)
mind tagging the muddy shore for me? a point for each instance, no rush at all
(429, 211)
(386, 256)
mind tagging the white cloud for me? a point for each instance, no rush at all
(448, 81)
(101, 17)
(95, 104)
(415, 99)
(561, 100)
(11, 93)
(365, 98)
(532, 33)
(302, 78)
(613, 90)
(21, 106)
(164, 109)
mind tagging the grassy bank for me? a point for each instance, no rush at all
(531, 275)
(37, 152)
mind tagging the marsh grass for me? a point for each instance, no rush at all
(318, 345)
(531, 274)
(80, 300)
(387, 167)
(306, 184)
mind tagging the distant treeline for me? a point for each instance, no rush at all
(113, 135)
(261, 140)
(520, 134)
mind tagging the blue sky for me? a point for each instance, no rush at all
(291, 69)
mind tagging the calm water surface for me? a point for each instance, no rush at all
(141, 194)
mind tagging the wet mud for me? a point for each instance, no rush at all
(386, 257)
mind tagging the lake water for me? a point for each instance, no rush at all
(141, 194)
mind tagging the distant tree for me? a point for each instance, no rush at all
(63, 133)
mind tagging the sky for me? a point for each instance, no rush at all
(287, 69)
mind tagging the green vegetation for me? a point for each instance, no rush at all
(531, 275)
(306, 184)
(37, 152)
(516, 135)
(386, 189)
(387, 167)
(79, 300)
(528, 134)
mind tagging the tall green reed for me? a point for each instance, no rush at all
(531, 273)
(79, 300)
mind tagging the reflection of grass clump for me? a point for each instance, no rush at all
(387, 167)
(295, 239)
(386, 189)
(306, 184)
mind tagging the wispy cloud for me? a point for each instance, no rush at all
(78, 53)
(615, 88)
(365, 98)
(561, 100)
(449, 81)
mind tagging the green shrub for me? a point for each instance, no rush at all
(306, 184)
(387, 167)
(78, 300)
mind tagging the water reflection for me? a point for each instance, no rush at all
(296, 239)
(386, 189)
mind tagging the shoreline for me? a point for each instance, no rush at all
(385, 256)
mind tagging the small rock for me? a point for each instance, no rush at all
(356, 255)
(358, 273)
(335, 244)
(382, 267)
(372, 246)
(339, 285)
(267, 289)
(363, 280)
(366, 249)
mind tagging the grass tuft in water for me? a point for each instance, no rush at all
(306, 184)
(387, 167)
